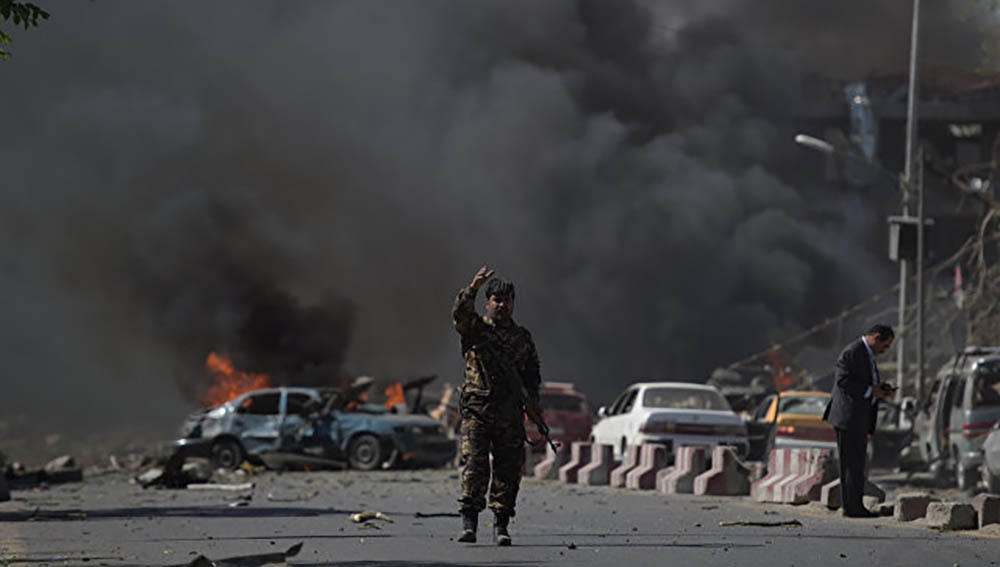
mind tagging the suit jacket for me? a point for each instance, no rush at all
(848, 408)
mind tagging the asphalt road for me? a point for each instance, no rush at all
(109, 521)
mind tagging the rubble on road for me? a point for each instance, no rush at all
(951, 516)
(57, 471)
(259, 560)
(912, 506)
(178, 472)
(215, 486)
(362, 517)
(760, 524)
(437, 515)
(273, 497)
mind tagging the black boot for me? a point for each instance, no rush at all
(469, 521)
(500, 534)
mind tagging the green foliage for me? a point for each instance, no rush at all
(25, 14)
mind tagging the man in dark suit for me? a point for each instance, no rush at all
(852, 410)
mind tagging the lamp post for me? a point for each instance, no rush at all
(911, 127)
(905, 218)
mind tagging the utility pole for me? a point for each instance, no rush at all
(911, 127)
(919, 386)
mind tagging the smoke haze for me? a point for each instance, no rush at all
(307, 185)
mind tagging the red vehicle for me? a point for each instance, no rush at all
(566, 412)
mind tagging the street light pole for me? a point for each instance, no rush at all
(918, 389)
(911, 126)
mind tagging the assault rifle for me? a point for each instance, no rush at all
(534, 413)
(531, 409)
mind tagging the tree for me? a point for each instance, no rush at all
(24, 14)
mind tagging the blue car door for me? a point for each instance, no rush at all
(258, 421)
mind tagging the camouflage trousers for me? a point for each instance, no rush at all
(505, 443)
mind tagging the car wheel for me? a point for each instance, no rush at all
(227, 454)
(967, 477)
(365, 452)
(992, 482)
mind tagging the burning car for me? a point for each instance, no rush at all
(313, 423)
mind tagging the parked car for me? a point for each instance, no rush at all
(672, 414)
(991, 460)
(790, 420)
(966, 404)
(313, 422)
(567, 413)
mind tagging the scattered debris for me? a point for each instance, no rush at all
(62, 469)
(213, 486)
(259, 560)
(760, 524)
(57, 471)
(295, 498)
(241, 501)
(367, 515)
(175, 473)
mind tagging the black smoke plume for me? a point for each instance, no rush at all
(308, 185)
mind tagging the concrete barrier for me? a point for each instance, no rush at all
(819, 468)
(548, 468)
(689, 462)
(652, 459)
(987, 507)
(912, 506)
(779, 464)
(630, 460)
(598, 472)
(727, 477)
(951, 516)
(580, 458)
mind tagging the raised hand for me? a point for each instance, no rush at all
(481, 276)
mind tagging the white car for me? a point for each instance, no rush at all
(670, 413)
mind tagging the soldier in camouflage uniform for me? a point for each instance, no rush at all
(501, 377)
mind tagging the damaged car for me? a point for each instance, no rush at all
(312, 425)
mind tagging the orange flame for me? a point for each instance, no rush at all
(229, 382)
(783, 377)
(394, 395)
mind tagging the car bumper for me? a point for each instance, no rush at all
(672, 442)
(792, 443)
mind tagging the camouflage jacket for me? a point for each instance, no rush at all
(501, 363)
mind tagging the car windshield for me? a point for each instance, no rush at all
(986, 387)
(684, 398)
(562, 402)
(802, 405)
